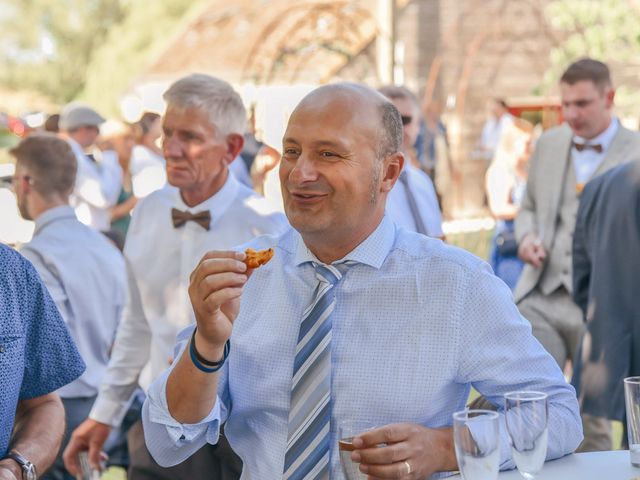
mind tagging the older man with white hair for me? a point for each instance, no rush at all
(202, 208)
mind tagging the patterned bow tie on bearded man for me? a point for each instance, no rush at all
(179, 218)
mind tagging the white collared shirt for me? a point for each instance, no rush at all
(97, 186)
(86, 277)
(587, 161)
(160, 260)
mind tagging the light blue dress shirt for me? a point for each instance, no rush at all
(416, 324)
(86, 276)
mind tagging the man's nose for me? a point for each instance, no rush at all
(171, 146)
(571, 112)
(303, 171)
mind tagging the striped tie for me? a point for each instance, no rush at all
(307, 454)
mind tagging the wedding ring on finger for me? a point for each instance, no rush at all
(408, 465)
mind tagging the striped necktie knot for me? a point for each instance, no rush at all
(331, 274)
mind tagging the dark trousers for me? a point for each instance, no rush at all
(211, 462)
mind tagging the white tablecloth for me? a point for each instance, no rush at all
(614, 465)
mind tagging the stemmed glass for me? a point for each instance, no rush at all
(476, 435)
(526, 415)
(346, 431)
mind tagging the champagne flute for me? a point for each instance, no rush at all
(476, 435)
(526, 415)
(346, 431)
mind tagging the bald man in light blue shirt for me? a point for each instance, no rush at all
(354, 319)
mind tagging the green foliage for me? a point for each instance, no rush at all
(100, 46)
(75, 27)
(131, 46)
(602, 29)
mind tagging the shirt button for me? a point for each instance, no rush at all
(1, 348)
(565, 272)
(182, 437)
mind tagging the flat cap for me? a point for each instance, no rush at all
(75, 115)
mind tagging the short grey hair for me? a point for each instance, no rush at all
(212, 95)
(391, 134)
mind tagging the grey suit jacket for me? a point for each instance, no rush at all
(541, 202)
(606, 270)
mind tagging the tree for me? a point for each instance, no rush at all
(87, 49)
(48, 44)
(603, 29)
(132, 45)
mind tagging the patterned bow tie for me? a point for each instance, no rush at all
(179, 218)
(585, 146)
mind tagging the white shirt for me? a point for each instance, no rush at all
(415, 325)
(148, 171)
(97, 186)
(588, 160)
(86, 277)
(492, 131)
(241, 172)
(160, 260)
(425, 196)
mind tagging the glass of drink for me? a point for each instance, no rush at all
(86, 472)
(526, 415)
(476, 435)
(346, 431)
(632, 404)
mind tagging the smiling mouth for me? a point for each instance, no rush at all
(307, 197)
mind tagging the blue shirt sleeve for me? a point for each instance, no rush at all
(51, 359)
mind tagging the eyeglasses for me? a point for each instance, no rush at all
(406, 119)
(16, 178)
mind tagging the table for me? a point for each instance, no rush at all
(614, 465)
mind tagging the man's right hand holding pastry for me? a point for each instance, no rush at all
(215, 288)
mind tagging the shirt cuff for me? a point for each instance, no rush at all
(180, 433)
(108, 411)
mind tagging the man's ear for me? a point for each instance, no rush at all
(234, 142)
(611, 93)
(391, 167)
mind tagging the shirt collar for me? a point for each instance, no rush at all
(51, 215)
(372, 251)
(217, 204)
(604, 139)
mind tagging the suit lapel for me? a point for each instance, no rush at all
(616, 151)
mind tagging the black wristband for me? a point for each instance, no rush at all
(204, 361)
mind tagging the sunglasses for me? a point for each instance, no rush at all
(406, 119)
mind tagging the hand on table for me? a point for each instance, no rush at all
(409, 452)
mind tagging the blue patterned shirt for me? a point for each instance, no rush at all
(37, 355)
(416, 324)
